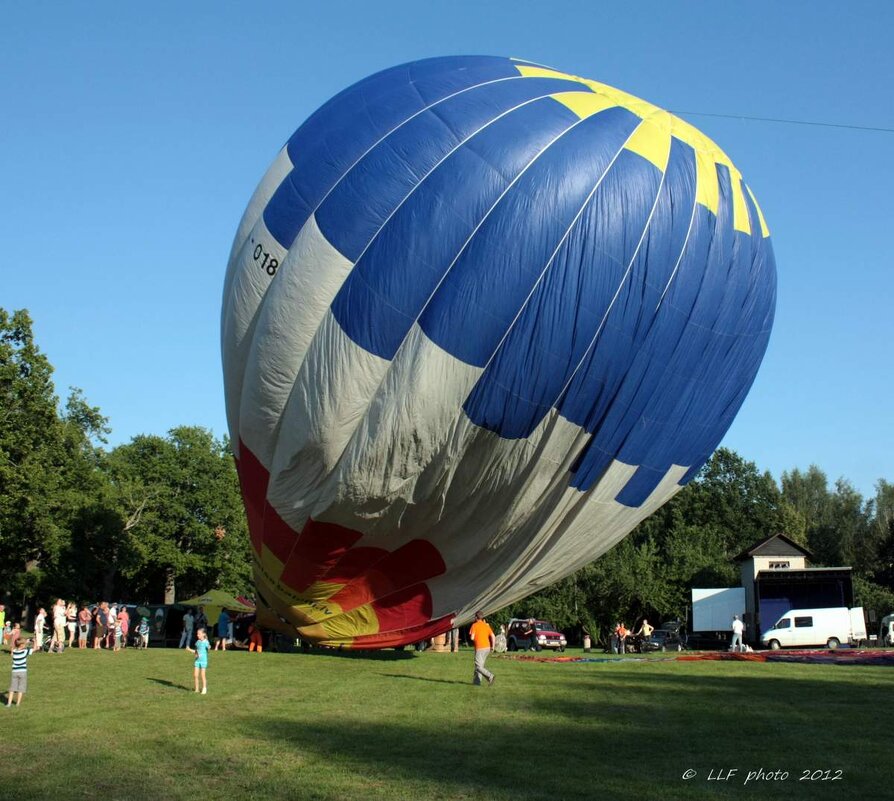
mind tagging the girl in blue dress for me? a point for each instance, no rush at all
(201, 663)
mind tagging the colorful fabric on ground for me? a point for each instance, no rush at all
(844, 656)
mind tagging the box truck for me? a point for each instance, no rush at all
(805, 628)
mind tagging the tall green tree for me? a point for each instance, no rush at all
(808, 493)
(30, 452)
(733, 497)
(47, 461)
(842, 537)
(691, 541)
(183, 528)
(879, 550)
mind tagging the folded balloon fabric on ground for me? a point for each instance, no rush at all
(480, 318)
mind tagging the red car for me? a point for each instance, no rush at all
(545, 635)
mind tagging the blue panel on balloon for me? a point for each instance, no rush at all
(488, 285)
(526, 241)
(342, 130)
(392, 282)
(387, 175)
(586, 279)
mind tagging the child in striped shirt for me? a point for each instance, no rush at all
(19, 683)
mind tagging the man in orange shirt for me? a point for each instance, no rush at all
(482, 636)
(622, 637)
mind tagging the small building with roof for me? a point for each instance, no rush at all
(776, 577)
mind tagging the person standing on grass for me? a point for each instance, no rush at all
(15, 638)
(143, 631)
(622, 638)
(482, 637)
(19, 683)
(223, 630)
(201, 664)
(124, 625)
(59, 621)
(83, 626)
(111, 625)
(99, 624)
(116, 635)
(39, 622)
(530, 634)
(71, 620)
(186, 634)
(738, 629)
(255, 639)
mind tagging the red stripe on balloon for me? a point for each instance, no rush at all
(354, 564)
(412, 563)
(253, 479)
(393, 583)
(404, 609)
(317, 550)
(390, 639)
(265, 526)
(307, 555)
(279, 536)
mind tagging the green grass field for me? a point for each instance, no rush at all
(100, 725)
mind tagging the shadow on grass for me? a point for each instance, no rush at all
(171, 684)
(629, 737)
(348, 731)
(421, 678)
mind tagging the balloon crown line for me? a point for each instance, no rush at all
(814, 123)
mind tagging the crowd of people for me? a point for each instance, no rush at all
(103, 625)
(621, 633)
(107, 626)
(113, 627)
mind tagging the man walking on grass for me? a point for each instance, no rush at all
(482, 636)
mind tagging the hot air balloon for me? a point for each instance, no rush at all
(480, 319)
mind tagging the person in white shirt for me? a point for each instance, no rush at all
(738, 629)
(59, 621)
(111, 625)
(39, 622)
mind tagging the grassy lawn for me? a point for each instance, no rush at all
(100, 725)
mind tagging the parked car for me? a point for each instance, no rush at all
(546, 635)
(662, 640)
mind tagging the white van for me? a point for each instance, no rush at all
(802, 628)
(886, 630)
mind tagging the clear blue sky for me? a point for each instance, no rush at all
(133, 135)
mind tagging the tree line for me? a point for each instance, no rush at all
(693, 540)
(161, 517)
(155, 518)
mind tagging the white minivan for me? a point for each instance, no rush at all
(803, 628)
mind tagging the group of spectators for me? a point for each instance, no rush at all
(109, 626)
(621, 633)
(104, 625)
(223, 631)
(115, 626)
